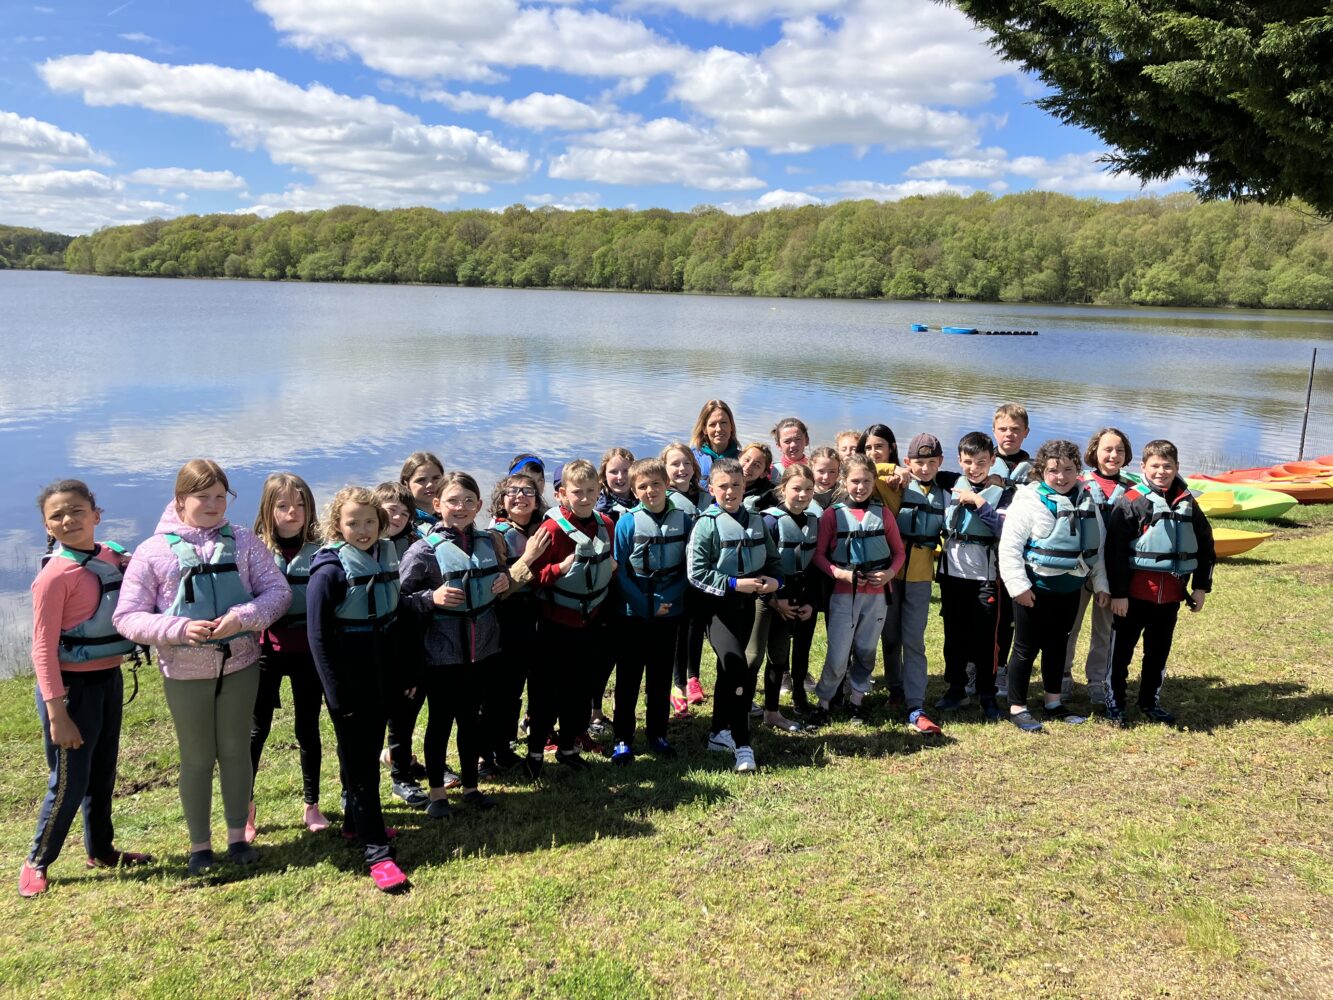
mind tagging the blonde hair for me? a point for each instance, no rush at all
(688, 452)
(824, 451)
(1014, 411)
(856, 460)
(794, 471)
(578, 471)
(266, 528)
(609, 454)
(334, 511)
(697, 434)
(653, 468)
(199, 474)
(763, 449)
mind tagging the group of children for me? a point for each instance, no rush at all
(423, 592)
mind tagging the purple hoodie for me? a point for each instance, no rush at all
(150, 586)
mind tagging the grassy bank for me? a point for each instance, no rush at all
(858, 862)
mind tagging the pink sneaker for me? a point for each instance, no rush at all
(32, 881)
(388, 876)
(694, 692)
(680, 708)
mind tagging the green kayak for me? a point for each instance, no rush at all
(1252, 503)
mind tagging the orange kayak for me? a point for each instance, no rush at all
(1306, 482)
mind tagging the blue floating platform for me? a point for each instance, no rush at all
(919, 328)
(958, 329)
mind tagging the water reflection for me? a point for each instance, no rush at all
(340, 382)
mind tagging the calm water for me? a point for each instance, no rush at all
(119, 380)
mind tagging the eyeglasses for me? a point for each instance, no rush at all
(466, 503)
(520, 491)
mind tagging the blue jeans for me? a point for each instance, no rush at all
(84, 778)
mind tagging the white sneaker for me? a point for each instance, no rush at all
(745, 761)
(722, 742)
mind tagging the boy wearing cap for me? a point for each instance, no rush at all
(921, 525)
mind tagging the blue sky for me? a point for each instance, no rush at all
(116, 111)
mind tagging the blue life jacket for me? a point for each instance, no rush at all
(372, 586)
(95, 637)
(1168, 543)
(680, 500)
(743, 545)
(921, 516)
(1073, 541)
(404, 540)
(424, 522)
(473, 571)
(861, 544)
(1100, 497)
(798, 536)
(659, 544)
(207, 589)
(297, 573)
(583, 588)
(965, 524)
(1018, 475)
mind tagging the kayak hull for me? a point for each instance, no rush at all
(1230, 542)
(1251, 502)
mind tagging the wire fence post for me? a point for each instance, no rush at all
(1309, 391)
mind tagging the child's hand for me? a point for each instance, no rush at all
(804, 611)
(663, 610)
(1103, 599)
(227, 626)
(410, 693)
(844, 575)
(901, 478)
(198, 632)
(876, 578)
(974, 500)
(1196, 600)
(536, 545)
(64, 733)
(1120, 606)
(501, 583)
(567, 563)
(446, 596)
(1027, 599)
(783, 608)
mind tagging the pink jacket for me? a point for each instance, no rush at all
(150, 586)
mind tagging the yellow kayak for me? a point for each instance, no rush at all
(1230, 542)
(1218, 504)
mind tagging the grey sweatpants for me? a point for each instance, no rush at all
(905, 639)
(854, 626)
(213, 727)
(1097, 666)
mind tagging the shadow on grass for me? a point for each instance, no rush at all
(1205, 704)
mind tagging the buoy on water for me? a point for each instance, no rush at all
(919, 328)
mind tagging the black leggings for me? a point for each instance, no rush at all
(360, 736)
(729, 627)
(788, 651)
(690, 644)
(502, 693)
(1041, 629)
(970, 609)
(307, 696)
(453, 694)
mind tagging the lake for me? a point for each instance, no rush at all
(119, 380)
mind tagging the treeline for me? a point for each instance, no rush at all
(1031, 247)
(32, 249)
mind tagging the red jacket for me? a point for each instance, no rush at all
(546, 567)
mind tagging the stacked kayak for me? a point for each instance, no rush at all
(1230, 542)
(1305, 482)
(1224, 500)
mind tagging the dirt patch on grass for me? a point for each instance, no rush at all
(1314, 576)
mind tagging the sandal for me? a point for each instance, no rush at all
(120, 859)
(388, 876)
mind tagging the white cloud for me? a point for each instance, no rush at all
(740, 11)
(993, 164)
(182, 177)
(570, 202)
(663, 151)
(1081, 172)
(427, 39)
(536, 111)
(875, 78)
(72, 201)
(357, 149)
(26, 142)
(777, 198)
(880, 191)
(139, 38)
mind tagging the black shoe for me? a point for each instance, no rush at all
(817, 716)
(241, 853)
(1025, 721)
(1158, 714)
(439, 809)
(659, 747)
(201, 862)
(477, 800)
(1059, 713)
(859, 716)
(487, 771)
(573, 761)
(990, 710)
(532, 767)
(416, 770)
(411, 793)
(507, 760)
(800, 700)
(952, 701)
(1116, 717)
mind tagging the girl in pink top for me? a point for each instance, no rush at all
(202, 591)
(76, 656)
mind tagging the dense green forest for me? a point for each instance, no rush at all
(1031, 247)
(32, 249)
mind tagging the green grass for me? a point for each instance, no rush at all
(1086, 862)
